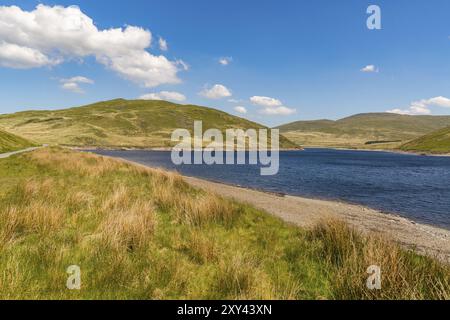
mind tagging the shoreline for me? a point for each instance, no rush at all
(306, 213)
(303, 148)
(413, 153)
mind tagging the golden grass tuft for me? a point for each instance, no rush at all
(349, 254)
(203, 209)
(81, 163)
(36, 217)
(130, 228)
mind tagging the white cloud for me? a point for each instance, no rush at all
(217, 91)
(225, 60)
(266, 101)
(271, 106)
(14, 56)
(163, 44)
(234, 100)
(47, 36)
(240, 109)
(423, 106)
(73, 84)
(369, 68)
(278, 111)
(164, 95)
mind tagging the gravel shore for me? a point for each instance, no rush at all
(424, 239)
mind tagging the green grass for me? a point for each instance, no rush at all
(435, 142)
(139, 233)
(357, 130)
(121, 123)
(10, 142)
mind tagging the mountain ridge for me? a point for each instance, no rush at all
(364, 130)
(121, 123)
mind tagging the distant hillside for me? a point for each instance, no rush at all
(435, 142)
(120, 123)
(10, 142)
(368, 131)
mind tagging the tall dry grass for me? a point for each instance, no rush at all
(347, 254)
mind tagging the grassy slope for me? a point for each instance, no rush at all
(435, 142)
(10, 142)
(120, 123)
(356, 131)
(139, 233)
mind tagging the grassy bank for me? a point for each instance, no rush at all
(139, 233)
(436, 142)
(10, 142)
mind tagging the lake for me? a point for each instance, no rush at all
(415, 187)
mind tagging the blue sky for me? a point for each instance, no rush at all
(305, 55)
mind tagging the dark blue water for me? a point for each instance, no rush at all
(416, 187)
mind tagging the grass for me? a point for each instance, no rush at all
(121, 123)
(363, 131)
(10, 142)
(435, 142)
(140, 233)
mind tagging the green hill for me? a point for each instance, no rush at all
(435, 142)
(368, 131)
(10, 142)
(120, 123)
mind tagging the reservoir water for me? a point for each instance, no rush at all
(415, 187)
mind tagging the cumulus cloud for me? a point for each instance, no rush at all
(48, 36)
(217, 91)
(423, 106)
(164, 95)
(225, 60)
(266, 101)
(14, 56)
(163, 44)
(369, 68)
(240, 109)
(73, 84)
(271, 106)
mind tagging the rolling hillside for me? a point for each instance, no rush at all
(435, 142)
(120, 123)
(10, 142)
(367, 131)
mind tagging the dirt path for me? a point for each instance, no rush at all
(9, 154)
(304, 212)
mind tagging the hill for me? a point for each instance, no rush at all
(120, 123)
(369, 130)
(10, 142)
(435, 142)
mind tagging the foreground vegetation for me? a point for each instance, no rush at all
(10, 142)
(121, 123)
(364, 131)
(140, 233)
(435, 142)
